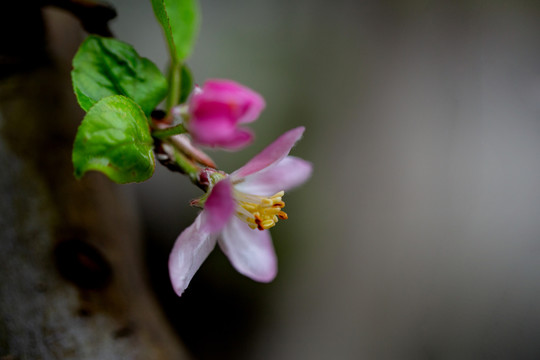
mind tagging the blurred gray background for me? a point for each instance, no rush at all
(418, 236)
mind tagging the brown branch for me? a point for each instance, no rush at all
(72, 280)
(93, 16)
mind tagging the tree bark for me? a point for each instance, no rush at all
(72, 283)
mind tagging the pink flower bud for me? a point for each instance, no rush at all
(217, 110)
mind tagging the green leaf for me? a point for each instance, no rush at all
(114, 139)
(180, 22)
(103, 67)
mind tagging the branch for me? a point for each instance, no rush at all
(94, 16)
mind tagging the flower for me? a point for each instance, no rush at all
(237, 211)
(216, 110)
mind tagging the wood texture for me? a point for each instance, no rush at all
(72, 281)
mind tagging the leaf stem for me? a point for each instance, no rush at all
(168, 132)
(175, 84)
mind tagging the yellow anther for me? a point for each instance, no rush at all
(259, 211)
(267, 202)
(268, 223)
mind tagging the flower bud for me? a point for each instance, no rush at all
(217, 109)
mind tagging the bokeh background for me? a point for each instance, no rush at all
(418, 236)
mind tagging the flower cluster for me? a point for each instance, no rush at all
(124, 131)
(237, 208)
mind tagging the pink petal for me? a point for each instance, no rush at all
(250, 251)
(220, 206)
(217, 133)
(272, 154)
(285, 175)
(189, 252)
(212, 130)
(239, 139)
(204, 107)
(245, 104)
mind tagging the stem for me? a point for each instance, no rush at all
(93, 15)
(175, 160)
(187, 166)
(184, 145)
(175, 85)
(168, 132)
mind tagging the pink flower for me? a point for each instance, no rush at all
(237, 212)
(218, 108)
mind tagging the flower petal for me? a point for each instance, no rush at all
(212, 130)
(271, 154)
(217, 133)
(204, 108)
(238, 140)
(250, 251)
(285, 175)
(220, 205)
(189, 252)
(245, 104)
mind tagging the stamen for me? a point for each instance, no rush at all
(260, 212)
(268, 223)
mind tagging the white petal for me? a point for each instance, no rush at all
(190, 250)
(250, 251)
(285, 175)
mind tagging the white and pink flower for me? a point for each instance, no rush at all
(237, 212)
(218, 108)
